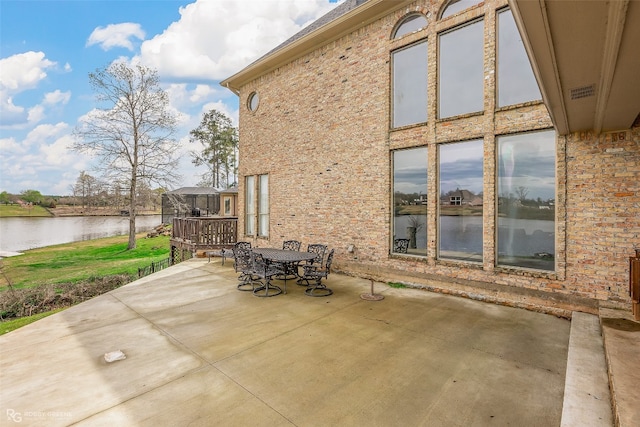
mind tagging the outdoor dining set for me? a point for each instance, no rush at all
(258, 267)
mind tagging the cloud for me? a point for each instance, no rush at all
(215, 38)
(11, 114)
(23, 71)
(183, 95)
(41, 134)
(461, 166)
(189, 102)
(40, 159)
(23, 118)
(59, 153)
(116, 35)
(57, 97)
(223, 108)
(10, 146)
(20, 72)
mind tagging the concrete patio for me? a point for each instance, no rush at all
(199, 352)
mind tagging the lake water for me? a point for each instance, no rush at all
(22, 233)
(518, 237)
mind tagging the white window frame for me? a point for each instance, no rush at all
(263, 205)
(250, 203)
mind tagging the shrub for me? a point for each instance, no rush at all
(29, 301)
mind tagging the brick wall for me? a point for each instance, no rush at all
(603, 212)
(321, 132)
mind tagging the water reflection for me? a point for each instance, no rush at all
(534, 246)
(19, 234)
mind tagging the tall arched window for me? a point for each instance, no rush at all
(409, 24)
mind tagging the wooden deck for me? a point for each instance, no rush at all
(202, 234)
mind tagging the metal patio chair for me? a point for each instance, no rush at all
(291, 245)
(400, 246)
(289, 271)
(315, 273)
(319, 250)
(242, 264)
(264, 271)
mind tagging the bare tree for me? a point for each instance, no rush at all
(85, 188)
(132, 135)
(521, 193)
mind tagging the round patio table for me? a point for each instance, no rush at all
(283, 256)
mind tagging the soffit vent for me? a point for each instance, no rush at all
(583, 92)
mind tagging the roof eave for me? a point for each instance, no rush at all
(584, 57)
(350, 21)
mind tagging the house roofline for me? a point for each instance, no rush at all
(358, 17)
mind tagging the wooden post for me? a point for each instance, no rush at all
(634, 284)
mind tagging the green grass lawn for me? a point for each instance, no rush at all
(17, 210)
(11, 325)
(78, 261)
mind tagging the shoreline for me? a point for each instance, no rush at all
(79, 214)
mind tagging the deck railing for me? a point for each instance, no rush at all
(203, 233)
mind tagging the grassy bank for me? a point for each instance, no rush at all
(51, 277)
(77, 261)
(17, 210)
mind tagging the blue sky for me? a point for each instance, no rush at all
(47, 49)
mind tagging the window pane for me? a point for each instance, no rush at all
(461, 71)
(249, 202)
(410, 199)
(526, 200)
(456, 6)
(461, 203)
(410, 85)
(516, 82)
(410, 24)
(263, 206)
(254, 101)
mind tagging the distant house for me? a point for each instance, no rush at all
(461, 198)
(190, 201)
(422, 200)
